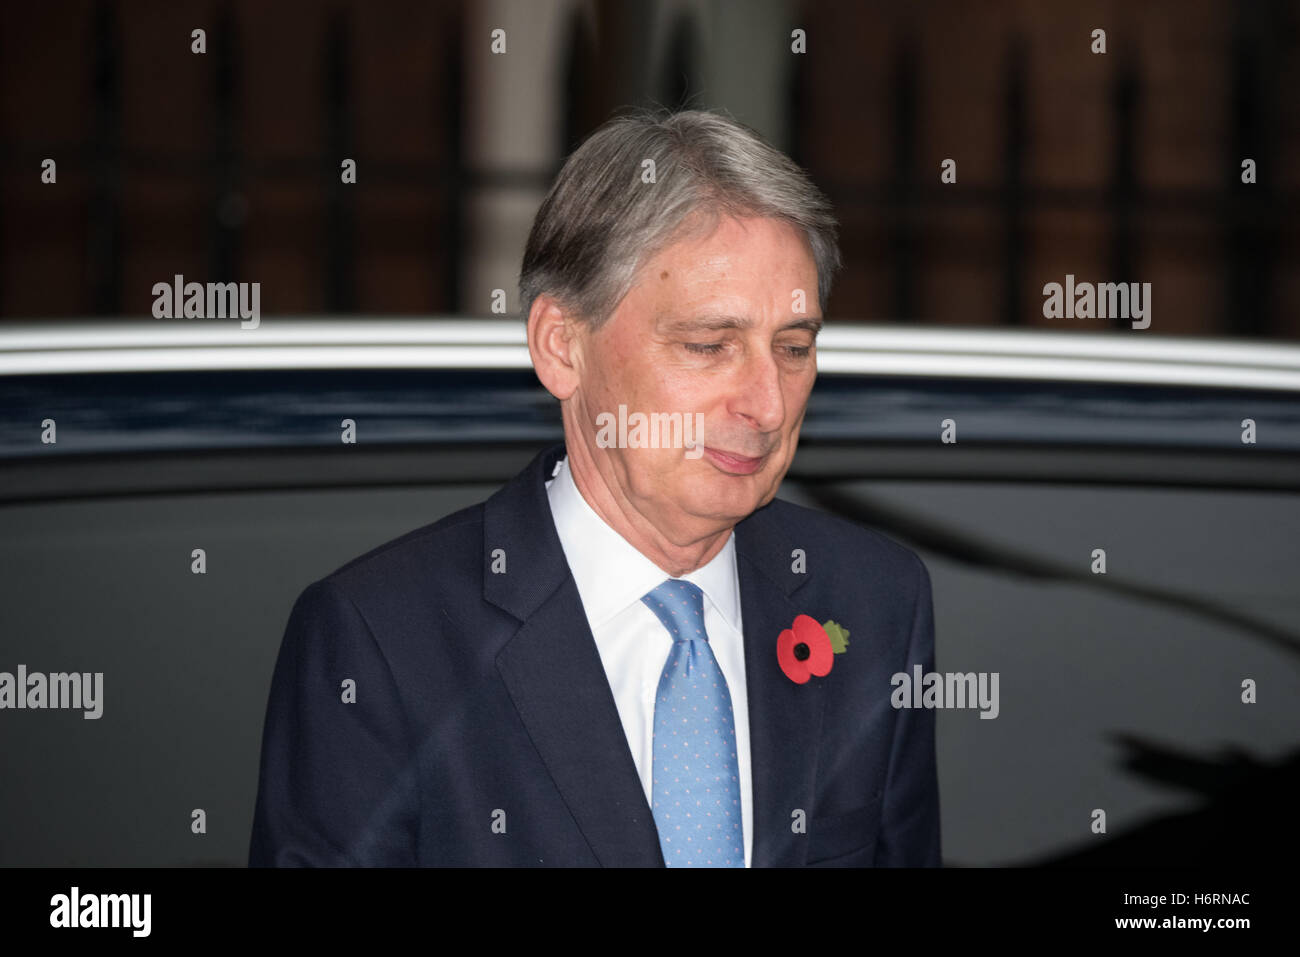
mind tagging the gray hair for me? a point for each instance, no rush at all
(600, 223)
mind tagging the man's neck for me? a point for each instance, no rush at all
(674, 558)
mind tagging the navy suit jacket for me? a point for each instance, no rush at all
(484, 731)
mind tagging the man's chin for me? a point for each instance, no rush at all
(727, 498)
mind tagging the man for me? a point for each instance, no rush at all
(584, 669)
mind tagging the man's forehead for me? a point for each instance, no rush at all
(672, 321)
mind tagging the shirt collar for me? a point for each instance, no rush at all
(611, 573)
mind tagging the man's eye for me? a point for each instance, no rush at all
(705, 348)
(799, 352)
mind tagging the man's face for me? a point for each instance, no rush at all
(723, 325)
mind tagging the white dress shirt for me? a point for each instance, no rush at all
(612, 576)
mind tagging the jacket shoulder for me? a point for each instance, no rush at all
(415, 559)
(856, 544)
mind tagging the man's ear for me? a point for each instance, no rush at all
(555, 346)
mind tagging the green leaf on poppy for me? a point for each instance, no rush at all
(838, 635)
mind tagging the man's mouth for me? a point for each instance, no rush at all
(732, 463)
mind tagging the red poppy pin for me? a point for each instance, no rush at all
(808, 649)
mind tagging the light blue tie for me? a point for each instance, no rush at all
(696, 776)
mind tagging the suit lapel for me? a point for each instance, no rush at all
(784, 717)
(555, 677)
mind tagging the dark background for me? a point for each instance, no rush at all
(225, 166)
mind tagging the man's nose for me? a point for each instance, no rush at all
(760, 398)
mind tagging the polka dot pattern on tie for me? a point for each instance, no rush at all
(696, 775)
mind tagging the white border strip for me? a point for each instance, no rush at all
(842, 348)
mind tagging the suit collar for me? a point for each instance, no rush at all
(554, 674)
(785, 719)
(518, 515)
(556, 679)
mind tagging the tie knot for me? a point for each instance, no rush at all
(679, 605)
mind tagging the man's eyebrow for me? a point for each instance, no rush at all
(711, 323)
(811, 323)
